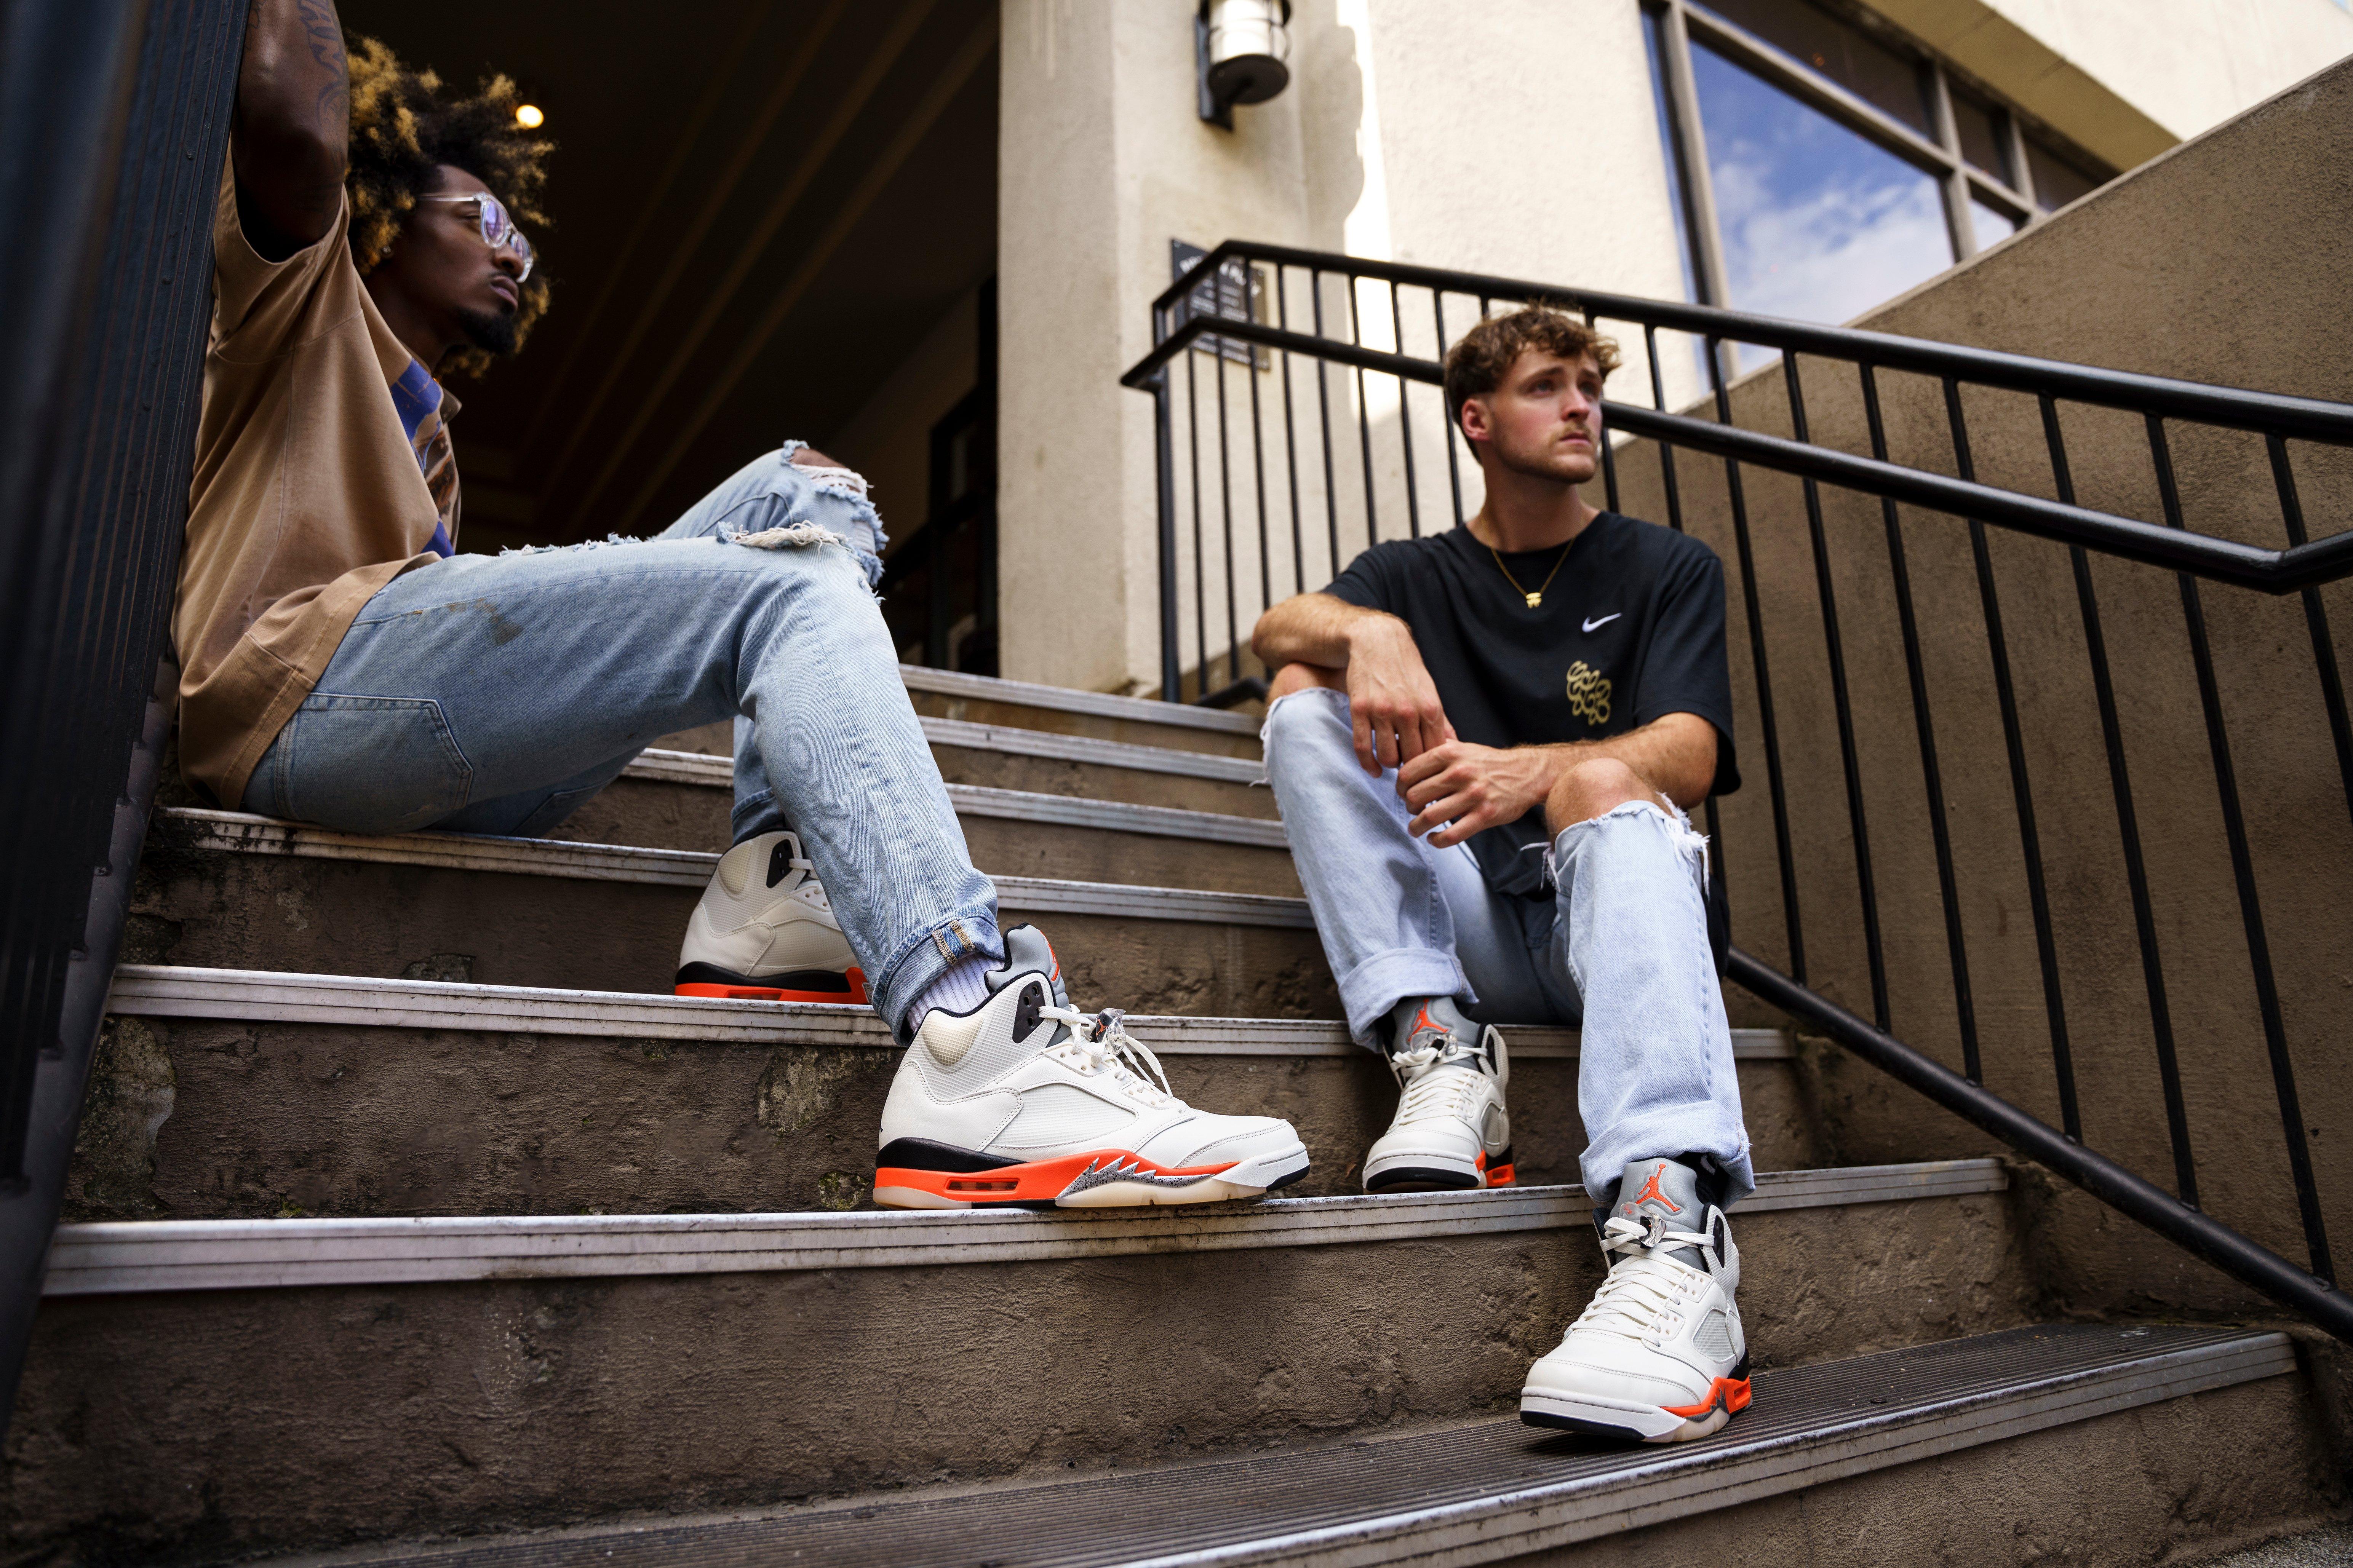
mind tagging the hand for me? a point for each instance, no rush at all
(1391, 698)
(1463, 789)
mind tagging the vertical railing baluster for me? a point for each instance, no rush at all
(1363, 419)
(1609, 448)
(1776, 784)
(1323, 401)
(2315, 619)
(1258, 461)
(1290, 435)
(1446, 416)
(1172, 662)
(1405, 422)
(1226, 517)
(2095, 644)
(1939, 825)
(1666, 453)
(2242, 870)
(1867, 887)
(1200, 578)
(2046, 945)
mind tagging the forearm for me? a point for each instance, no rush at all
(291, 132)
(1674, 754)
(1314, 628)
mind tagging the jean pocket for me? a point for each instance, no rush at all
(370, 764)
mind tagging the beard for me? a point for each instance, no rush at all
(1548, 462)
(493, 332)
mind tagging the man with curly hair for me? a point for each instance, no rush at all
(1484, 742)
(342, 663)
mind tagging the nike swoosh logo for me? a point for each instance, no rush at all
(1604, 620)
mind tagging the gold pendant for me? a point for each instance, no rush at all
(1534, 599)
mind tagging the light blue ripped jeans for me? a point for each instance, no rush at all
(1621, 947)
(496, 693)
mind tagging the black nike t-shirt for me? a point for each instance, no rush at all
(1630, 629)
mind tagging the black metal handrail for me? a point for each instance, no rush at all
(113, 119)
(1235, 477)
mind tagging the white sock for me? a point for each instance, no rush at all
(960, 988)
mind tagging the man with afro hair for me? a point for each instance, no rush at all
(343, 665)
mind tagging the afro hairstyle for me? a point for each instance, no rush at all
(402, 128)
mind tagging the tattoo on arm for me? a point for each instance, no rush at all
(324, 34)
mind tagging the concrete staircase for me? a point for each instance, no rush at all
(412, 1210)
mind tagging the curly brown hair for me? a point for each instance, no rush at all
(404, 130)
(1480, 360)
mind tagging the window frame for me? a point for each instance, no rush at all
(1679, 24)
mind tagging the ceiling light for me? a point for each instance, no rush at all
(528, 116)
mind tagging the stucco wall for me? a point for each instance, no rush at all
(2223, 262)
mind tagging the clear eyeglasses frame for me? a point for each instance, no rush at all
(499, 229)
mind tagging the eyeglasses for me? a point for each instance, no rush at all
(498, 229)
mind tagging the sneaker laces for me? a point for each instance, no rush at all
(1427, 1090)
(1101, 1040)
(1643, 1287)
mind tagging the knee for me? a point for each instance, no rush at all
(1592, 788)
(1293, 677)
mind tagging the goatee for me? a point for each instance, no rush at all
(493, 332)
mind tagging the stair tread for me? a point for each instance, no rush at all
(235, 832)
(119, 1256)
(1036, 806)
(1065, 699)
(1469, 1493)
(176, 991)
(710, 768)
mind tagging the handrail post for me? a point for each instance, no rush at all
(1172, 675)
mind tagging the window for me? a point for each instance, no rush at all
(1823, 164)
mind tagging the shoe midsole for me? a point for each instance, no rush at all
(963, 1175)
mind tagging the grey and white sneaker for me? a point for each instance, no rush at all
(764, 931)
(1026, 1100)
(1658, 1356)
(1451, 1132)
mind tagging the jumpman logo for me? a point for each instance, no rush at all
(1650, 1194)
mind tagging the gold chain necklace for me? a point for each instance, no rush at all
(1536, 598)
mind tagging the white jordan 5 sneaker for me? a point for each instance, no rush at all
(1026, 1100)
(764, 931)
(1658, 1356)
(1450, 1131)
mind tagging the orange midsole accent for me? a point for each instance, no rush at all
(1732, 1393)
(1503, 1176)
(855, 996)
(1039, 1181)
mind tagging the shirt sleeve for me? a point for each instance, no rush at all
(261, 307)
(1370, 582)
(1684, 669)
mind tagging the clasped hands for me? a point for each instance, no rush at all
(1455, 788)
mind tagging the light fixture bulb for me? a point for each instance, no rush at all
(528, 116)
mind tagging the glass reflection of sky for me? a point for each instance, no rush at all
(1818, 222)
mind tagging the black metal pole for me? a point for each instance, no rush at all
(2120, 1189)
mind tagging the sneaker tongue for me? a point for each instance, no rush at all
(1670, 1191)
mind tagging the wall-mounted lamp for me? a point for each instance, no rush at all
(1239, 47)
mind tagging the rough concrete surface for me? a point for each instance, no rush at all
(244, 911)
(198, 1119)
(2323, 1548)
(164, 1426)
(2165, 1483)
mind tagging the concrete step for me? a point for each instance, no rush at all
(227, 889)
(2078, 1443)
(218, 1387)
(1053, 710)
(239, 1093)
(677, 800)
